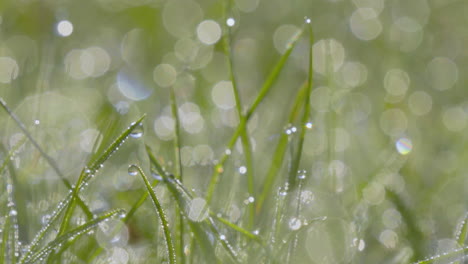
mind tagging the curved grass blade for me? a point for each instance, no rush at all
(245, 140)
(305, 116)
(178, 187)
(266, 87)
(72, 235)
(462, 233)
(127, 217)
(89, 171)
(448, 257)
(49, 160)
(160, 213)
(178, 173)
(46, 228)
(278, 156)
(415, 236)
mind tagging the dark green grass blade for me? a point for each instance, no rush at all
(462, 234)
(200, 229)
(415, 236)
(127, 217)
(89, 171)
(278, 156)
(246, 145)
(49, 160)
(449, 257)
(160, 213)
(266, 87)
(305, 117)
(178, 173)
(73, 234)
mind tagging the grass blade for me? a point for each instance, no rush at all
(49, 160)
(89, 171)
(266, 87)
(72, 235)
(305, 116)
(178, 173)
(278, 156)
(448, 257)
(246, 145)
(159, 212)
(462, 233)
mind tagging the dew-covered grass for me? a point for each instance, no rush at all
(233, 132)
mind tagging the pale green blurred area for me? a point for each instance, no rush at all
(389, 110)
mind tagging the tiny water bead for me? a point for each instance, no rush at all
(295, 223)
(132, 170)
(404, 146)
(309, 125)
(242, 170)
(307, 20)
(230, 22)
(137, 131)
(301, 174)
(64, 28)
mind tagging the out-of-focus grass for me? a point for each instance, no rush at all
(251, 160)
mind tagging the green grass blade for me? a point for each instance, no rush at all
(462, 233)
(448, 257)
(199, 231)
(160, 213)
(89, 171)
(73, 234)
(266, 87)
(178, 173)
(246, 145)
(49, 160)
(415, 236)
(46, 228)
(305, 117)
(278, 156)
(5, 240)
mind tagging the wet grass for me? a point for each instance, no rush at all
(194, 227)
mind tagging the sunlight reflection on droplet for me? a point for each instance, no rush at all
(404, 146)
(295, 223)
(230, 22)
(420, 103)
(198, 210)
(209, 32)
(164, 75)
(455, 119)
(242, 170)
(329, 54)
(8, 69)
(64, 28)
(365, 24)
(396, 82)
(442, 73)
(222, 95)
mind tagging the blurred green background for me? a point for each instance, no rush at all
(389, 111)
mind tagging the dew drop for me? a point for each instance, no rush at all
(222, 237)
(295, 223)
(307, 20)
(242, 169)
(404, 146)
(156, 176)
(230, 22)
(256, 232)
(13, 212)
(137, 131)
(45, 219)
(227, 152)
(132, 170)
(37, 122)
(309, 125)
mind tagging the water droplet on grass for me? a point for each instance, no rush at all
(137, 131)
(156, 176)
(230, 22)
(404, 146)
(242, 170)
(295, 223)
(132, 170)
